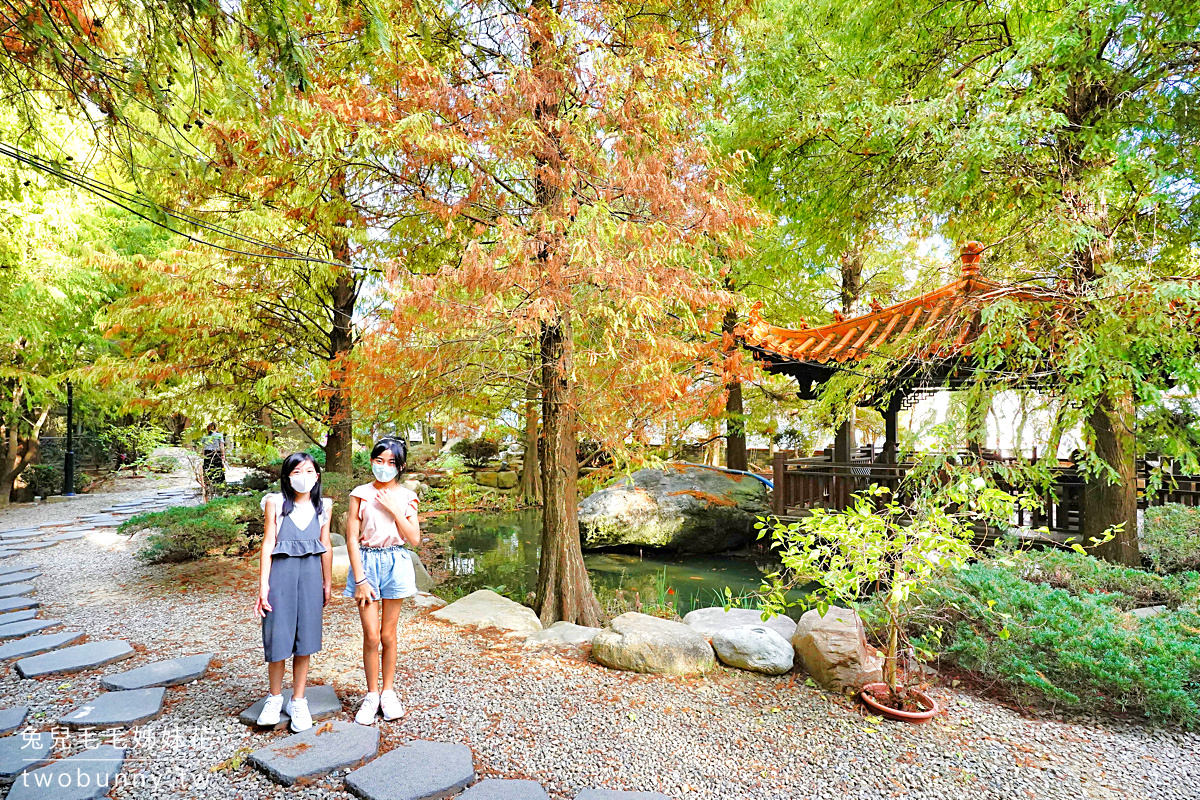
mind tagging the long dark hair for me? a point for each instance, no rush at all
(289, 494)
(399, 450)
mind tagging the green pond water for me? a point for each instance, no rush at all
(500, 551)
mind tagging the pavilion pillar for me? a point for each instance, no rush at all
(891, 428)
(843, 451)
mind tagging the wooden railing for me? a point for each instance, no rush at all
(802, 484)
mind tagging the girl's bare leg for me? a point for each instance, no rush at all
(275, 672)
(387, 635)
(369, 615)
(299, 676)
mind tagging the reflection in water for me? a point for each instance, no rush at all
(500, 551)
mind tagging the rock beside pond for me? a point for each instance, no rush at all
(486, 609)
(684, 509)
(562, 634)
(755, 648)
(641, 643)
(834, 649)
(707, 621)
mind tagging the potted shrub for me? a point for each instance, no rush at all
(889, 552)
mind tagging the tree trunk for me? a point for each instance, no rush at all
(564, 590)
(339, 443)
(531, 474)
(1106, 504)
(735, 425)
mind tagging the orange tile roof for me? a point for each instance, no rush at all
(944, 322)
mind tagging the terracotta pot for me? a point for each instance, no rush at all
(894, 713)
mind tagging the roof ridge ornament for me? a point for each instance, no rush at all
(971, 254)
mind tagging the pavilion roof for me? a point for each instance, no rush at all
(941, 324)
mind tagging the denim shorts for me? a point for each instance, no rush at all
(389, 571)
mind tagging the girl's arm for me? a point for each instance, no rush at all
(327, 556)
(363, 593)
(261, 606)
(408, 526)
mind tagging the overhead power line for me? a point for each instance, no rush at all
(143, 207)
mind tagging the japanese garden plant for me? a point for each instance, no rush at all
(882, 548)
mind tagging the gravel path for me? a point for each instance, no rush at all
(557, 718)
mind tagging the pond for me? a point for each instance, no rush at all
(500, 551)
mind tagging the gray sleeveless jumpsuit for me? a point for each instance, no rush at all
(296, 591)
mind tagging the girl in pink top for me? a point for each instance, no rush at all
(382, 525)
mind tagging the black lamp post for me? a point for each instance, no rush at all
(69, 458)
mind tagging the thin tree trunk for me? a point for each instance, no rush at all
(531, 474)
(564, 590)
(339, 442)
(735, 426)
(1106, 504)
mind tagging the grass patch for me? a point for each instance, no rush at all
(1052, 628)
(224, 526)
(1170, 538)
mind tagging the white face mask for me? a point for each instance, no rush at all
(303, 482)
(384, 472)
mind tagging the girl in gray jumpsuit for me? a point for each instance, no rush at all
(295, 584)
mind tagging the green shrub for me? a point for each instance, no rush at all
(1170, 537)
(162, 464)
(47, 479)
(224, 526)
(259, 481)
(1078, 650)
(476, 452)
(1082, 575)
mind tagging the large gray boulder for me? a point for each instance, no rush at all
(641, 643)
(755, 648)
(708, 621)
(486, 609)
(834, 650)
(683, 509)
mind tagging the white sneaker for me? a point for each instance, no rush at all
(366, 712)
(270, 710)
(390, 705)
(298, 711)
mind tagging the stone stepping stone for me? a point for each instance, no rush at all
(160, 673)
(11, 568)
(8, 553)
(117, 709)
(20, 753)
(17, 603)
(19, 536)
(74, 659)
(613, 794)
(112, 523)
(505, 790)
(11, 718)
(322, 702)
(415, 771)
(14, 531)
(32, 645)
(66, 537)
(86, 776)
(317, 751)
(42, 545)
(15, 630)
(18, 616)
(16, 589)
(18, 577)
(57, 524)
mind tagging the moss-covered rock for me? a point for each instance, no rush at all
(683, 509)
